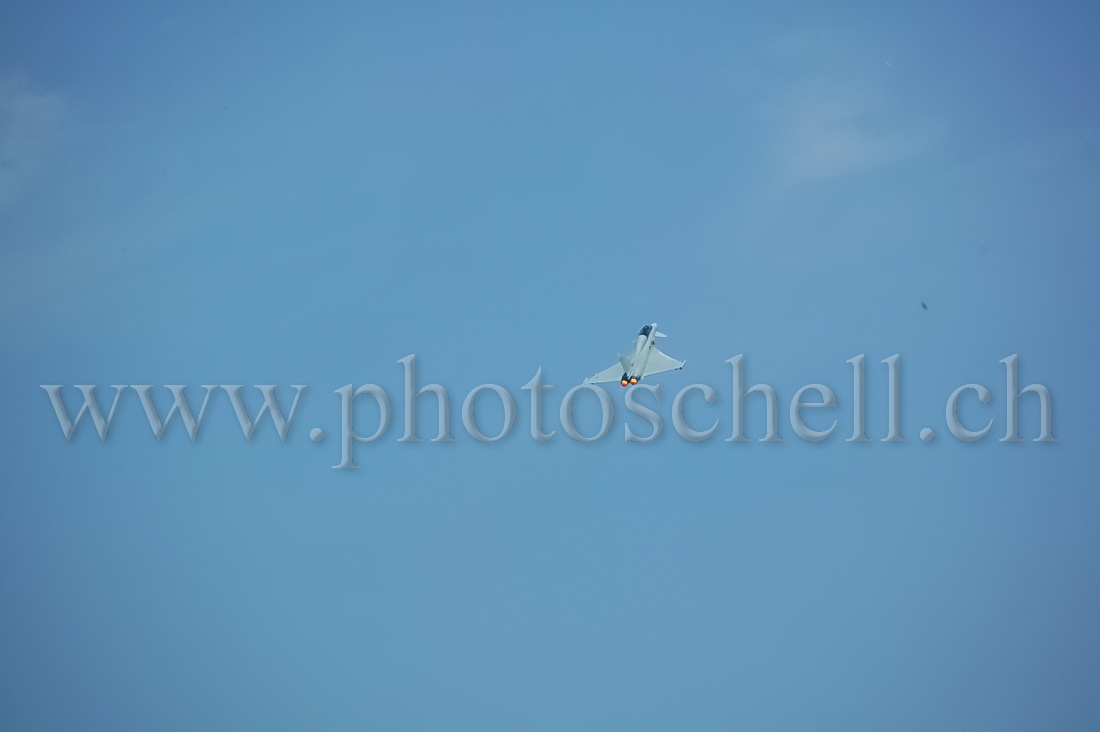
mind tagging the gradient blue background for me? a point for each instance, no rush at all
(240, 194)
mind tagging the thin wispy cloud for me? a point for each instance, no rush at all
(837, 127)
(834, 112)
(31, 130)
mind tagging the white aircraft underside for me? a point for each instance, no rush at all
(644, 360)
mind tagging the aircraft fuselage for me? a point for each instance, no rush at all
(643, 347)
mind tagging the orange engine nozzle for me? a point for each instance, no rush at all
(633, 381)
(623, 382)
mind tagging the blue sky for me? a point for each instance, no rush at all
(241, 194)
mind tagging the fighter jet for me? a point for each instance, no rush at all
(644, 360)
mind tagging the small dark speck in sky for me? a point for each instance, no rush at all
(923, 304)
